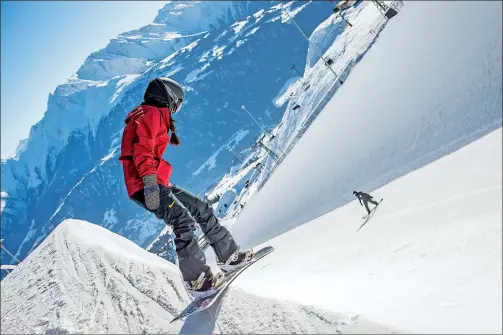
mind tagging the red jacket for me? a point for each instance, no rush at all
(144, 140)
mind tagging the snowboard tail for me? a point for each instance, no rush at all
(200, 304)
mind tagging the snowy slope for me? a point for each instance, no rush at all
(424, 99)
(336, 40)
(428, 261)
(243, 313)
(83, 278)
(86, 279)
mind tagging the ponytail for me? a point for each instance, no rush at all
(173, 139)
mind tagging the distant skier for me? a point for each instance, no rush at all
(147, 176)
(366, 198)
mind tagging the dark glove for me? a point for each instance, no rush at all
(151, 191)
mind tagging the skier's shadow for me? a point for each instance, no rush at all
(204, 321)
(368, 217)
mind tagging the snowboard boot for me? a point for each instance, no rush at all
(206, 284)
(236, 261)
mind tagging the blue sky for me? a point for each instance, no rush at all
(44, 43)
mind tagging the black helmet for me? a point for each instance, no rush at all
(164, 92)
(175, 91)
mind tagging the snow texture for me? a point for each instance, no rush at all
(86, 279)
(83, 278)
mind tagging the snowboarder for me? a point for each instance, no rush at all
(147, 178)
(366, 198)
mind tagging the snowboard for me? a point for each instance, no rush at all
(200, 304)
(373, 209)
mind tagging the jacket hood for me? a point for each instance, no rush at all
(156, 94)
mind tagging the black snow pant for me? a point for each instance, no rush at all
(181, 210)
(366, 204)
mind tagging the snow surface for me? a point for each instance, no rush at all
(420, 104)
(83, 278)
(7, 267)
(196, 15)
(3, 197)
(240, 42)
(253, 31)
(286, 18)
(86, 279)
(428, 261)
(332, 39)
(259, 15)
(238, 26)
(287, 91)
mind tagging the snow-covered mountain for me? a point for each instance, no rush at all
(305, 98)
(226, 54)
